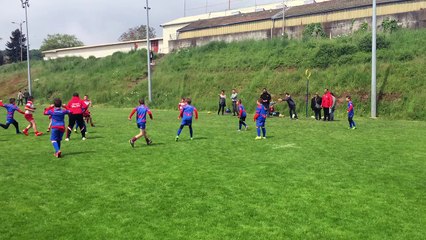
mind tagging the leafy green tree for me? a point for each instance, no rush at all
(137, 33)
(16, 46)
(390, 25)
(313, 30)
(57, 41)
(35, 54)
(1, 58)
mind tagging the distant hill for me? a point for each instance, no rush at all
(341, 64)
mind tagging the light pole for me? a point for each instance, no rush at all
(373, 63)
(283, 29)
(148, 48)
(20, 37)
(26, 5)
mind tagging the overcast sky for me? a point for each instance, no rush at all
(100, 21)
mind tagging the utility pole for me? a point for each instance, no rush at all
(20, 37)
(229, 5)
(373, 64)
(283, 28)
(148, 53)
(184, 8)
(26, 5)
(207, 3)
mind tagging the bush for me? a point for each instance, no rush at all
(365, 44)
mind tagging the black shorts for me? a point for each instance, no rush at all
(242, 119)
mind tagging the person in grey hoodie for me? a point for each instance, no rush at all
(234, 98)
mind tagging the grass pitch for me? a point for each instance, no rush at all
(307, 180)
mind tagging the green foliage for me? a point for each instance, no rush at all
(137, 33)
(1, 58)
(313, 30)
(367, 183)
(16, 46)
(35, 54)
(390, 25)
(57, 41)
(366, 45)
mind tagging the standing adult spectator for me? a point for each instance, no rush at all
(326, 104)
(291, 106)
(20, 98)
(222, 102)
(333, 106)
(316, 106)
(77, 107)
(234, 98)
(26, 95)
(266, 99)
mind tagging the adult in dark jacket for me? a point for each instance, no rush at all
(316, 106)
(291, 106)
(266, 99)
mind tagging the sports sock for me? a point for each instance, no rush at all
(59, 144)
(190, 130)
(264, 132)
(258, 132)
(56, 146)
(239, 125)
(179, 130)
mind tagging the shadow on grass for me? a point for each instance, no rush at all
(77, 153)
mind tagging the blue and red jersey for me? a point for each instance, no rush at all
(241, 111)
(350, 109)
(11, 108)
(141, 112)
(58, 115)
(261, 113)
(187, 112)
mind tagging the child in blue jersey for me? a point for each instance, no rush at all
(141, 112)
(260, 118)
(241, 115)
(11, 108)
(186, 114)
(58, 124)
(351, 113)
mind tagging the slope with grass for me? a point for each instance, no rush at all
(341, 64)
(296, 184)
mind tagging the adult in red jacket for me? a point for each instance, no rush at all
(77, 107)
(327, 102)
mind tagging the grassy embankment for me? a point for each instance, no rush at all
(342, 65)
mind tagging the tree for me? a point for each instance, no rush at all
(137, 33)
(16, 46)
(1, 58)
(57, 41)
(35, 54)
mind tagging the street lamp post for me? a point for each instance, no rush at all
(20, 37)
(25, 5)
(373, 63)
(148, 48)
(283, 28)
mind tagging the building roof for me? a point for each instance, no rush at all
(230, 20)
(303, 10)
(330, 6)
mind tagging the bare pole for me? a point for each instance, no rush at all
(373, 64)
(148, 48)
(184, 8)
(20, 38)
(283, 28)
(229, 5)
(25, 5)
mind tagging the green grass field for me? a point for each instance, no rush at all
(308, 180)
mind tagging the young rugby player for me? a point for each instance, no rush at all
(141, 112)
(186, 114)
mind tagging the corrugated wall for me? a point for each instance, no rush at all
(297, 21)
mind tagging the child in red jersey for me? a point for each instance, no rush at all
(11, 108)
(87, 114)
(141, 112)
(29, 109)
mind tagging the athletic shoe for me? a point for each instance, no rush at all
(246, 128)
(132, 143)
(57, 154)
(192, 139)
(67, 139)
(48, 130)
(83, 138)
(239, 130)
(38, 134)
(258, 138)
(264, 137)
(75, 130)
(149, 142)
(353, 128)
(177, 138)
(25, 131)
